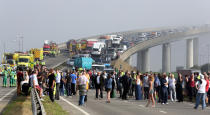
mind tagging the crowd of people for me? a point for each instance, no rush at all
(154, 87)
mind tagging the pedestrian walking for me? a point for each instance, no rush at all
(126, 84)
(151, 91)
(82, 80)
(99, 82)
(201, 87)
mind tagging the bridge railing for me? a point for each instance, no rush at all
(37, 106)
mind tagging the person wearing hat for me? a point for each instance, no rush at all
(201, 87)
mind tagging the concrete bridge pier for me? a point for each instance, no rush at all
(195, 51)
(166, 57)
(145, 60)
(189, 53)
(139, 61)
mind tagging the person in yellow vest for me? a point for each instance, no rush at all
(87, 83)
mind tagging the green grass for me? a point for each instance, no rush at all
(53, 108)
(21, 105)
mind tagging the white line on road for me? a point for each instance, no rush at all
(7, 94)
(163, 112)
(141, 105)
(75, 106)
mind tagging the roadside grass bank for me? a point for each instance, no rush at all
(53, 108)
(21, 105)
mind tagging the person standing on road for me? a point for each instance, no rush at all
(125, 83)
(157, 87)
(51, 83)
(12, 78)
(99, 82)
(119, 84)
(146, 86)
(192, 87)
(164, 85)
(58, 80)
(151, 91)
(73, 83)
(179, 88)
(5, 73)
(82, 80)
(108, 87)
(138, 87)
(172, 88)
(68, 84)
(19, 79)
(207, 86)
(201, 87)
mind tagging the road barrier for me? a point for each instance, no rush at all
(37, 107)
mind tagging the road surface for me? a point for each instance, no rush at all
(128, 107)
(6, 94)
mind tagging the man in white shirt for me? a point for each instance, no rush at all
(35, 82)
(201, 87)
(57, 80)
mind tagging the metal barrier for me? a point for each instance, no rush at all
(37, 107)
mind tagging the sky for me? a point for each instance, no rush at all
(61, 20)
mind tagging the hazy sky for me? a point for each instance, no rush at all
(60, 20)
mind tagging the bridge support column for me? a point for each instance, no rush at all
(166, 57)
(146, 60)
(139, 61)
(195, 51)
(189, 54)
(129, 60)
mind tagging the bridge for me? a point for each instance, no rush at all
(190, 34)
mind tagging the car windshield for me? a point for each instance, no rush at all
(25, 60)
(94, 49)
(10, 62)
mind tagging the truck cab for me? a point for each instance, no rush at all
(98, 48)
(24, 61)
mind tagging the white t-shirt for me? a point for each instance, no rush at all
(167, 81)
(82, 80)
(202, 87)
(58, 78)
(34, 77)
(171, 82)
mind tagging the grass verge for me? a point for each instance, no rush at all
(53, 108)
(21, 105)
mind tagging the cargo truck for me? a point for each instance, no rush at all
(37, 53)
(98, 48)
(83, 62)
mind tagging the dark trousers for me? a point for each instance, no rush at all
(164, 95)
(191, 93)
(57, 94)
(120, 91)
(100, 89)
(179, 93)
(146, 92)
(125, 93)
(73, 88)
(51, 94)
(68, 89)
(158, 91)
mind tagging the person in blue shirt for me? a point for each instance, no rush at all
(108, 86)
(73, 83)
(157, 86)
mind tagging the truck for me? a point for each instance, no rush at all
(83, 44)
(83, 62)
(50, 48)
(98, 48)
(117, 40)
(71, 45)
(90, 43)
(25, 61)
(10, 58)
(37, 53)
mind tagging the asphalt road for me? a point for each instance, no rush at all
(53, 61)
(6, 94)
(128, 107)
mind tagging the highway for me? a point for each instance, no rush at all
(128, 107)
(6, 95)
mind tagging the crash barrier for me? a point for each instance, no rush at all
(37, 107)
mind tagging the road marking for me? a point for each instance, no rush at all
(7, 94)
(141, 105)
(163, 112)
(75, 106)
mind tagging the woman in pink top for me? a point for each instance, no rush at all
(207, 86)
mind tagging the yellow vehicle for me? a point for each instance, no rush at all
(37, 53)
(78, 46)
(25, 61)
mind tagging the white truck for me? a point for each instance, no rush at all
(117, 40)
(98, 48)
